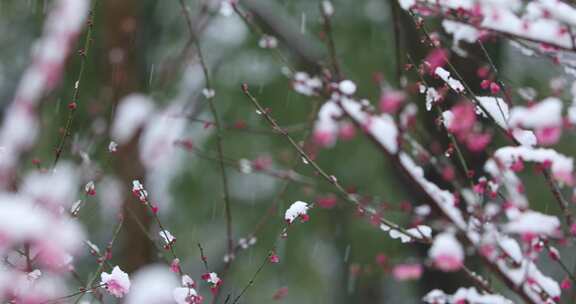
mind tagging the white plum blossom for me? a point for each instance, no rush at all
(117, 283)
(297, 209)
(304, 84)
(246, 243)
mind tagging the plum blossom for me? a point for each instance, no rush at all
(405, 272)
(326, 127)
(446, 252)
(175, 266)
(464, 295)
(391, 101)
(188, 293)
(545, 118)
(327, 202)
(274, 258)
(268, 42)
(466, 118)
(90, 188)
(187, 281)
(117, 283)
(139, 192)
(436, 59)
(560, 165)
(185, 295)
(212, 279)
(304, 84)
(280, 294)
(297, 209)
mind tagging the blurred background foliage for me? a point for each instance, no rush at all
(332, 258)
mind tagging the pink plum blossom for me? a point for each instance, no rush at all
(446, 253)
(406, 272)
(117, 283)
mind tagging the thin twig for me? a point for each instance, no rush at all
(73, 105)
(203, 257)
(330, 179)
(397, 39)
(331, 44)
(253, 279)
(219, 139)
(102, 264)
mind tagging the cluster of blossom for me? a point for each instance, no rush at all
(464, 295)
(214, 281)
(39, 239)
(139, 192)
(117, 282)
(41, 205)
(20, 126)
(543, 21)
(446, 252)
(187, 294)
(155, 284)
(304, 84)
(491, 218)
